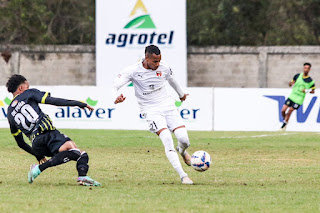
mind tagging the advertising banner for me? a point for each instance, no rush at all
(260, 110)
(196, 113)
(125, 27)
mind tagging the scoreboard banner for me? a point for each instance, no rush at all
(125, 27)
(195, 112)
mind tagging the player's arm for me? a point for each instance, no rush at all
(312, 89)
(23, 145)
(17, 134)
(45, 98)
(173, 83)
(291, 83)
(121, 80)
(294, 80)
(65, 102)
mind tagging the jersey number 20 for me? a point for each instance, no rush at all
(26, 112)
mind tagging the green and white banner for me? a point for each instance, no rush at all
(125, 27)
(196, 113)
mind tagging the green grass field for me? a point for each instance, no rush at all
(251, 172)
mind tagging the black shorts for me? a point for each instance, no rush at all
(292, 104)
(48, 143)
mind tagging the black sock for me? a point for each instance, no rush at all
(60, 158)
(82, 164)
(284, 124)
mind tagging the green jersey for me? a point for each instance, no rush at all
(301, 83)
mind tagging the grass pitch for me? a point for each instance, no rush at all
(251, 172)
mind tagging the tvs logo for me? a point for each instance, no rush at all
(302, 112)
(159, 73)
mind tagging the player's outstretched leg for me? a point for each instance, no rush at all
(64, 157)
(83, 167)
(183, 143)
(33, 173)
(172, 156)
(60, 158)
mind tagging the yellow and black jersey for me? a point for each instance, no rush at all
(25, 115)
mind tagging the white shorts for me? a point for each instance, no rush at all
(167, 119)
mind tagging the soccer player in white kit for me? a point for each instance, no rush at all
(156, 105)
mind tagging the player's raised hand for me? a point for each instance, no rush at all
(120, 99)
(43, 160)
(184, 97)
(89, 107)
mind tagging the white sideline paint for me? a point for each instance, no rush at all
(258, 136)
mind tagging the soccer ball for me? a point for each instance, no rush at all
(200, 161)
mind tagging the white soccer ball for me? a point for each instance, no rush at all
(201, 161)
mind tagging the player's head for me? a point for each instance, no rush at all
(17, 83)
(152, 57)
(306, 68)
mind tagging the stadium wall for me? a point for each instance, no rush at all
(221, 66)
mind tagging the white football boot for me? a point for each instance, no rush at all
(185, 155)
(186, 180)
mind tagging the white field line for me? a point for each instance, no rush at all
(252, 136)
(258, 136)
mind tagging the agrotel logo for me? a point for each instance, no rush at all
(140, 19)
(143, 21)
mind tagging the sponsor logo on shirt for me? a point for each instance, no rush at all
(156, 90)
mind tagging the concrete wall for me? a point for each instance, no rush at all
(265, 67)
(222, 66)
(51, 65)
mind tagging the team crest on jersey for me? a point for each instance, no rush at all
(14, 103)
(159, 73)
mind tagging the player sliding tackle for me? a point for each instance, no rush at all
(149, 77)
(25, 116)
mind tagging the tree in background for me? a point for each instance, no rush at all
(47, 22)
(253, 22)
(209, 22)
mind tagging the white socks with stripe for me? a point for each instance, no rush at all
(183, 139)
(172, 156)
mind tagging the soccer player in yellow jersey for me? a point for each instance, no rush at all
(26, 117)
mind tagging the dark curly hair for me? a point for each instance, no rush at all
(14, 82)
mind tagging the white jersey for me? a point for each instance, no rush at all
(150, 86)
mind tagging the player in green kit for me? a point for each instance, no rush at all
(303, 84)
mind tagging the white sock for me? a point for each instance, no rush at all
(183, 139)
(172, 156)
